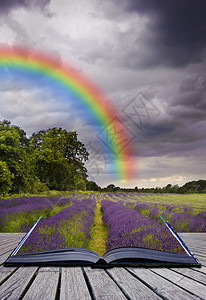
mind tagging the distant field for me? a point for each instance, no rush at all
(192, 200)
(195, 201)
(104, 221)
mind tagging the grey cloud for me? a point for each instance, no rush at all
(175, 32)
(190, 102)
(7, 5)
(176, 130)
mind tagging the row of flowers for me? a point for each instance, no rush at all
(127, 227)
(68, 228)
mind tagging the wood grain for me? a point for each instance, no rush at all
(161, 285)
(5, 272)
(184, 282)
(72, 284)
(102, 285)
(14, 287)
(44, 287)
(133, 288)
(192, 273)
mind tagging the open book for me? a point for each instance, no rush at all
(123, 256)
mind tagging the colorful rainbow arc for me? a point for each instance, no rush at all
(36, 63)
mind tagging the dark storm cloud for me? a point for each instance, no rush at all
(171, 137)
(190, 102)
(7, 5)
(176, 127)
(176, 30)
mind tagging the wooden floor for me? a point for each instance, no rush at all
(117, 283)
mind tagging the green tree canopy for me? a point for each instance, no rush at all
(59, 157)
(13, 153)
(92, 186)
(5, 178)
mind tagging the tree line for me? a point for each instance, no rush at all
(49, 159)
(192, 187)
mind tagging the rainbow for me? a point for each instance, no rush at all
(34, 64)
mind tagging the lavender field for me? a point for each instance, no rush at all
(18, 214)
(131, 219)
(68, 228)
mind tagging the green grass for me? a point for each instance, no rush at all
(13, 222)
(70, 231)
(49, 193)
(195, 201)
(98, 232)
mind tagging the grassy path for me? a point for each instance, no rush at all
(98, 232)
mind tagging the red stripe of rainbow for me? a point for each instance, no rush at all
(87, 93)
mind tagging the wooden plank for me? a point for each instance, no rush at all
(102, 285)
(11, 234)
(14, 287)
(5, 272)
(196, 242)
(163, 287)
(201, 270)
(191, 273)
(190, 285)
(201, 259)
(200, 255)
(196, 234)
(10, 246)
(197, 245)
(193, 238)
(4, 256)
(10, 243)
(132, 287)
(10, 239)
(45, 285)
(199, 252)
(200, 246)
(72, 284)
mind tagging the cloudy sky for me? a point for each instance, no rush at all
(147, 56)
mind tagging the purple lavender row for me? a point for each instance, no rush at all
(181, 221)
(8, 206)
(68, 228)
(24, 207)
(100, 197)
(184, 221)
(130, 228)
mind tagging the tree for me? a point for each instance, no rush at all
(14, 155)
(110, 188)
(53, 169)
(59, 156)
(194, 187)
(92, 186)
(79, 183)
(5, 178)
